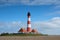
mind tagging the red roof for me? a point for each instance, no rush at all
(22, 30)
(33, 30)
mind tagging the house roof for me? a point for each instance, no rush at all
(22, 30)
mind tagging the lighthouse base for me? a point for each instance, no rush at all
(28, 29)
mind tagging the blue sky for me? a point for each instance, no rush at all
(45, 15)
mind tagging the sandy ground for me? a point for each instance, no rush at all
(29, 37)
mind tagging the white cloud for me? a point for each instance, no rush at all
(54, 13)
(51, 26)
(43, 2)
(54, 22)
(25, 1)
(55, 3)
(31, 2)
(13, 26)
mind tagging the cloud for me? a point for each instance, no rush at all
(55, 3)
(13, 26)
(51, 27)
(9, 24)
(55, 13)
(53, 23)
(31, 2)
(13, 2)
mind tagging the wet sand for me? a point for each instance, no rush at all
(29, 37)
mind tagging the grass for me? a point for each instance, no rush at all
(22, 34)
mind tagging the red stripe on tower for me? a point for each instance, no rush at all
(29, 23)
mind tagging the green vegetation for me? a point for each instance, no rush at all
(22, 34)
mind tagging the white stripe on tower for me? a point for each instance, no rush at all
(29, 19)
(29, 23)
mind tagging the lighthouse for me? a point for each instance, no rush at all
(28, 23)
(28, 29)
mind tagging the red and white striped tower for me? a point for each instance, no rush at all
(29, 23)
